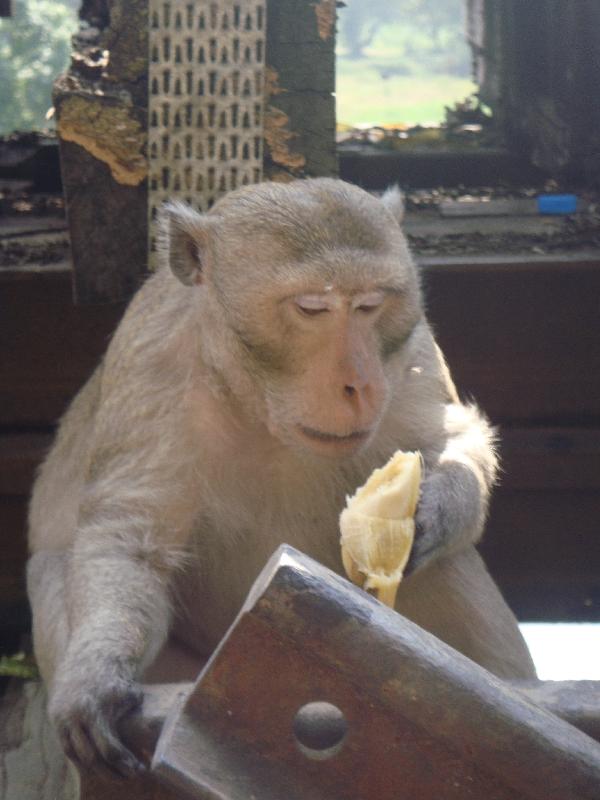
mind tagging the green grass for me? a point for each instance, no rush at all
(364, 97)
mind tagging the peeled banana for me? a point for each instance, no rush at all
(377, 526)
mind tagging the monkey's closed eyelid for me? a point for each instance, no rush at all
(312, 303)
(368, 302)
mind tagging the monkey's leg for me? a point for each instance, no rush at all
(46, 589)
(456, 600)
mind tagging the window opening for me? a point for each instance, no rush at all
(35, 45)
(401, 64)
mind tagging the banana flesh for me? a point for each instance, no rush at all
(377, 526)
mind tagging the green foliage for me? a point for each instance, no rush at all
(424, 35)
(18, 666)
(364, 98)
(401, 61)
(34, 50)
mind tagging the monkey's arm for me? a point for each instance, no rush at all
(118, 614)
(134, 518)
(459, 474)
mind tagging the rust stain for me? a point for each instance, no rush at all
(272, 82)
(109, 133)
(325, 11)
(276, 128)
(277, 136)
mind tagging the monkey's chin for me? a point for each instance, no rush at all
(332, 445)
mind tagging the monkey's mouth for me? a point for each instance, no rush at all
(354, 438)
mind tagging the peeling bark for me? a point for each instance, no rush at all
(277, 134)
(326, 16)
(107, 131)
(101, 112)
(300, 85)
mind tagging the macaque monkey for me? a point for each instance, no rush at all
(279, 354)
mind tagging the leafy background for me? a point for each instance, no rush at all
(34, 49)
(399, 61)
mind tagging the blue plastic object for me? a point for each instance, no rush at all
(557, 203)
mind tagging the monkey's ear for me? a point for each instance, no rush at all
(393, 200)
(184, 241)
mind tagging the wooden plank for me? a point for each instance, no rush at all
(29, 225)
(524, 342)
(374, 169)
(550, 459)
(300, 105)
(500, 207)
(20, 454)
(543, 549)
(585, 260)
(108, 228)
(102, 128)
(521, 336)
(48, 346)
(14, 614)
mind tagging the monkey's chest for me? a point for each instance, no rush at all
(226, 559)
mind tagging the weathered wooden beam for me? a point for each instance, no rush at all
(300, 102)
(101, 111)
(374, 169)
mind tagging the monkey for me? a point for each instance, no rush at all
(280, 352)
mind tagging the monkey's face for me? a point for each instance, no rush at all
(324, 356)
(312, 289)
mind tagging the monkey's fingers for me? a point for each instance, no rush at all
(77, 745)
(425, 547)
(95, 747)
(113, 755)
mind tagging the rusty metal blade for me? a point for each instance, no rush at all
(422, 720)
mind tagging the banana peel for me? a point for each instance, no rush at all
(377, 526)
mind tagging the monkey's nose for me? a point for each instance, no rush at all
(357, 394)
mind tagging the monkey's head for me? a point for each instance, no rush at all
(308, 291)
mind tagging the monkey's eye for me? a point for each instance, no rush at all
(368, 302)
(311, 304)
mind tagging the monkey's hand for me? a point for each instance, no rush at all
(86, 706)
(450, 513)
